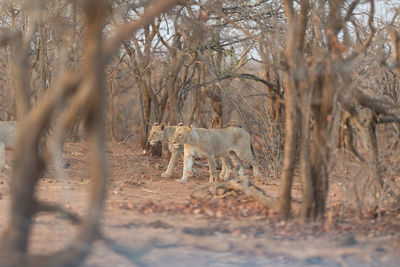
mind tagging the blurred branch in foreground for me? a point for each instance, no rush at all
(85, 92)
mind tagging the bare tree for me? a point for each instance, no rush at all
(312, 87)
(86, 93)
(141, 56)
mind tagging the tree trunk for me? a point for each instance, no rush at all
(215, 95)
(43, 62)
(290, 147)
(177, 62)
(146, 96)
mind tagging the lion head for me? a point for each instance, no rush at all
(182, 135)
(156, 133)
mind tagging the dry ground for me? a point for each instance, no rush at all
(165, 223)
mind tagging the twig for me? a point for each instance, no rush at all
(149, 191)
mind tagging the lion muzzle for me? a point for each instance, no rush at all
(176, 144)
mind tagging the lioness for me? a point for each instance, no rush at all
(215, 143)
(162, 132)
(7, 137)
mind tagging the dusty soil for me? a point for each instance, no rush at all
(163, 223)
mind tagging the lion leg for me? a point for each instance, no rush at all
(227, 167)
(238, 165)
(172, 163)
(187, 167)
(247, 157)
(223, 169)
(2, 155)
(192, 172)
(213, 168)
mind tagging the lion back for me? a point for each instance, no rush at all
(225, 140)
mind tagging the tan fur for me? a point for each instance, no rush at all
(8, 131)
(215, 143)
(163, 133)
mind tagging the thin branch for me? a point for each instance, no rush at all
(124, 32)
(272, 86)
(372, 30)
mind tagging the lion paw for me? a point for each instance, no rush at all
(166, 175)
(213, 179)
(181, 181)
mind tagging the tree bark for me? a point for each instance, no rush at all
(290, 151)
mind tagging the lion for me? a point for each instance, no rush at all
(8, 131)
(215, 143)
(162, 132)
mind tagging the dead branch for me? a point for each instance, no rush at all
(123, 33)
(248, 76)
(249, 189)
(361, 48)
(377, 105)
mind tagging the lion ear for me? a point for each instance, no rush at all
(180, 124)
(162, 126)
(155, 124)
